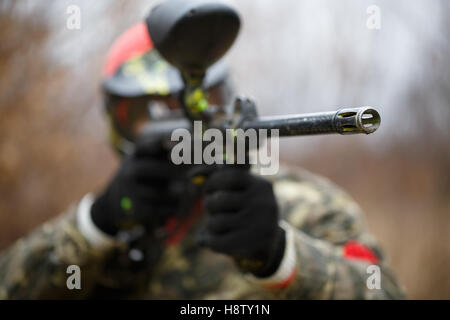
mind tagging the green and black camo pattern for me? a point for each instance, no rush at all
(324, 218)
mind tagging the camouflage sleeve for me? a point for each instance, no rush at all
(35, 267)
(333, 250)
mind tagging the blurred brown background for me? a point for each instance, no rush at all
(292, 56)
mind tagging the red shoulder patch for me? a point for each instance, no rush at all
(356, 250)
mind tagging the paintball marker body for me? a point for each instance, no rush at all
(194, 34)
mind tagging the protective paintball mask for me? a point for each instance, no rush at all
(142, 89)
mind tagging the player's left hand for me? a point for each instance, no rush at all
(243, 220)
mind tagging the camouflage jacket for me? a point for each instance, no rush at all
(332, 249)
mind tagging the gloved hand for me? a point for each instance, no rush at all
(243, 220)
(141, 193)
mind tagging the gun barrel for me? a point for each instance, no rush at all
(344, 121)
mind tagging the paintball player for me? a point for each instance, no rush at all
(292, 236)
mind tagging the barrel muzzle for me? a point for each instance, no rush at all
(357, 120)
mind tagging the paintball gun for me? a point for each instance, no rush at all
(194, 34)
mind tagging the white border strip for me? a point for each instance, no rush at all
(96, 237)
(287, 265)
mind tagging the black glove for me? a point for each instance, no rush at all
(243, 220)
(143, 192)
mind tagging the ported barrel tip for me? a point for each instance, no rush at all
(357, 120)
(368, 120)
